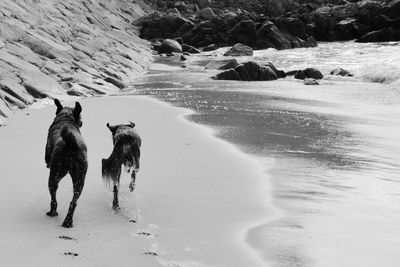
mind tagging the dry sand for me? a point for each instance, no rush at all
(195, 195)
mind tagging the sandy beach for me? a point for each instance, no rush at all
(195, 198)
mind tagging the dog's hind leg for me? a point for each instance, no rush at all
(115, 200)
(133, 179)
(115, 206)
(78, 174)
(54, 178)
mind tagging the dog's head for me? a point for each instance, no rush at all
(73, 113)
(114, 128)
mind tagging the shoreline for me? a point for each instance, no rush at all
(211, 182)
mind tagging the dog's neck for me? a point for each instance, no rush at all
(65, 117)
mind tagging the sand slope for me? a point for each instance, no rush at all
(195, 195)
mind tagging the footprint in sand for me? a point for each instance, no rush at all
(73, 254)
(66, 237)
(147, 234)
(150, 253)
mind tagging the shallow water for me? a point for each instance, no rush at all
(336, 172)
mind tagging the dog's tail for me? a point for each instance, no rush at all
(69, 138)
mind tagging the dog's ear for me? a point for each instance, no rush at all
(58, 105)
(112, 128)
(132, 124)
(78, 108)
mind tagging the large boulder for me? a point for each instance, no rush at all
(169, 46)
(239, 50)
(243, 32)
(293, 26)
(269, 36)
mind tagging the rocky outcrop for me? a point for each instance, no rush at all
(80, 48)
(226, 28)
(251, 71)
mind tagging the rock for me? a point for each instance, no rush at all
(190, 49)
(300, 75)
(310, 81)
(183, 58)
(291, 73)
(116, 82)
(165, 26)
(210, 47)
(293, 26)
(169, 46)
(179, 40)
(313, 73)
(243, 73)
(267, 74)
(347, 29)
(239, 50)
(278, 73)
(206, 13)
(230, 74)
(383, 35)
(54, 50)
(243, 32)
(203, 3)
(251, 71)
(230, 65)
(217, 64)
(270, 36)
(341, 72)
(309, 73)
(392, 8)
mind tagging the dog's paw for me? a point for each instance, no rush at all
(52, 213)
(131, 186)
(67, 224)
(116, 208)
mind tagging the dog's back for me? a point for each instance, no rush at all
(65, 144)
(126, 152)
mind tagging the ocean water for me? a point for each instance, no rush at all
(335, 147)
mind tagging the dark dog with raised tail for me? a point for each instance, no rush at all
(66, 152)
(126, 152)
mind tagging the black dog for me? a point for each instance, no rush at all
(126, 152)
(66, 152)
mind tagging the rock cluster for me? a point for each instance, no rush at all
(80, 48)
(279, 24)
(217, 28)
(250, 71)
